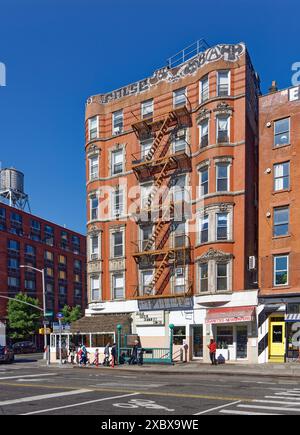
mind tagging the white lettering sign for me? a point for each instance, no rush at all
(294, 94)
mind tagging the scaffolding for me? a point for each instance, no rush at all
(166, 250)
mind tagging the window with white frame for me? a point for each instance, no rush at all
(180, 234)
(117, 162)
(93, 128)
(204, 89)
(118, 202)
(204, 228)
(204, 182)
(203, 277)
(222, 173)
(179, 97)
(179, 280)
(146, 232)
(281, 270)
(223, 128)
(94, 247)
(223, 83)
(281, 176)
(179, 188)
(145, 192)
(146, 147)
(117, 121)
(146, 281)
(95, 288)
(221, 226)
(282, 132)
(222, 276)
(94, 167)
(281, 221)
(179, 143)
(118, 244)
(118, 283)
(147, 108)
(204, 133)
(94, 207)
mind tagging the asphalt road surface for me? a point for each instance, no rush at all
(26, 388)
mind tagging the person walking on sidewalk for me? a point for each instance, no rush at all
(212, 352)
(113, 355)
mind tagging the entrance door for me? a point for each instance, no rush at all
(198, 341)
(277, 341)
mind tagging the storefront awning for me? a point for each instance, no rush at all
(230, 315)
(292, 317)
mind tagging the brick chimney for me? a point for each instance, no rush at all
(274, 87)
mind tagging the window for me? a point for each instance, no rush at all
(16, 218)
(282, 176)
(62, 275)
(223, 83)
(77, 265)
(179, 188)
(13, 263)
(147, 277)
(35, 225)
(93, 128)
(222, 278)
(203, 271)
(204, 134)
(48, 256)
(224, 336)
(94, 208)
(118, 122)
(179, 282)
(13, 281)
(62, 289)
(281, 273)
(282, 132)
(222, 226)
(94, 244)
(204, 89)
(204, 222)
(94, 167)
(146, 233)
(145, 147)
(147, 108)
(179, 97)
(118, 286)
(62, 260)
(118, 202)
(30, 250)
(95, 288)
(281, 221)
(204, 181)
(179, 143)
(222, 177)
(179, 335)
(117, 162)
(118, 244)
(30, 284)
(49, 272)
(13, 245)
(179, 234)
(223, 129)
(49, 235)
(2, 213)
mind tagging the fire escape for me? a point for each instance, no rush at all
(165, 251)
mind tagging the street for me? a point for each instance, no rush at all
(27, 388)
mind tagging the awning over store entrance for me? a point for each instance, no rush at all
(230, 315)
(292, 317)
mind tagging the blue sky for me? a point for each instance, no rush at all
(58, 52)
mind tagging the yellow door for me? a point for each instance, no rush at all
(277, 341)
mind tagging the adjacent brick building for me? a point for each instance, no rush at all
(29, 240)
(193, 129)
(279, 214)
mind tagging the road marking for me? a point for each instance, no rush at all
(218, 408)
(290, 394)
(122, 384)
(28, 376)
(295, 399)
(228, 412)
(276, 402)
(42, 411)
(136, 403)
(43, 397)
(270, 408)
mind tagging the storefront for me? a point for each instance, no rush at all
(234, 330)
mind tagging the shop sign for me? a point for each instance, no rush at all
(229, 320)
(294, 93)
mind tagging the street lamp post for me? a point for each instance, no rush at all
(42, 271)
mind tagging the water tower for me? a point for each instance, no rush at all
(12, 188)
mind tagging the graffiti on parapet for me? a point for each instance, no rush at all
(296, 75)
(2, 74)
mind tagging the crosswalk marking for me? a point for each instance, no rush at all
(28, 376)
(245, 413)
(270, 408)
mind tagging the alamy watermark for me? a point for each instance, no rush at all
(2, 74)
(296, 75)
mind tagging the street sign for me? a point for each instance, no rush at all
(60, 315)
(49, 314)
(43, 331)
(61, 327)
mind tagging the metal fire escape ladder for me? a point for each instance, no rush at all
(164, 263)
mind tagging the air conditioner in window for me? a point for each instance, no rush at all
(117, 130)
(179, 271)
(252, 263)
(180, 133)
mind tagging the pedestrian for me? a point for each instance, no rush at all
(212, 351)
(84, 357)
(140, 356)
(72, 354)
(96, 358)
(134, 354)
(113, 355)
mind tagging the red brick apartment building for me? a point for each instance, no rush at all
(193, 130)
(29, 240)
(279, 214)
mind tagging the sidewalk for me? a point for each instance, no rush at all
(289, 370)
